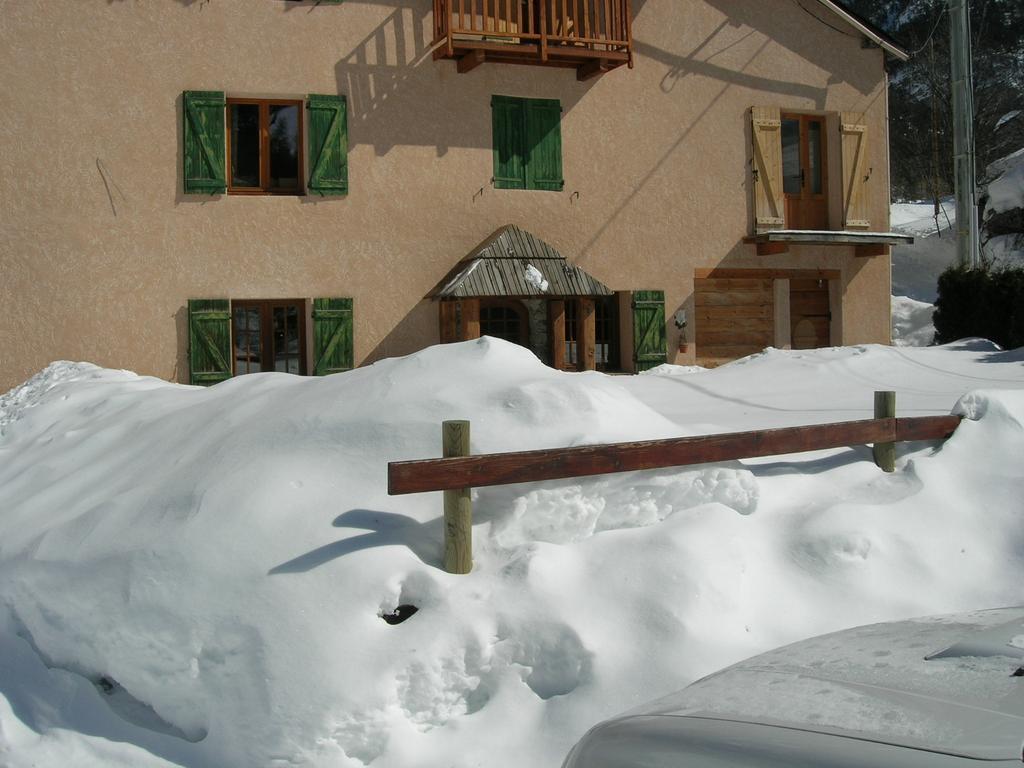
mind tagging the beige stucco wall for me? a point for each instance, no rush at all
(101, 250)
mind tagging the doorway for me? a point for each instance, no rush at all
(804, 171)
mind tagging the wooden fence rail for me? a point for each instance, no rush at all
(457, 474)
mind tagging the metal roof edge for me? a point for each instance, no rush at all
(869, 30)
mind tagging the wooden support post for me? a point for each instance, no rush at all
(458, 507)
(885, 453)
(556, 329)
(587, 329)
(470, 325)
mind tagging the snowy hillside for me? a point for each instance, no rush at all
(196, 577)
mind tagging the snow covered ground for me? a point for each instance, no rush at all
(196, 577)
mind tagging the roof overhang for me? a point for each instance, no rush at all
(514, 263)
(869, 30)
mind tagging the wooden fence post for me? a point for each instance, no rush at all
(885, 453)
(458, 507)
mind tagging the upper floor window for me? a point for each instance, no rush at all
(262, 146)
(527, 140)
(792, 153)
(265, 146)
(804, 171)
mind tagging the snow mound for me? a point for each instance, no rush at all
(1006, 191)
(912, 322)
(197, 577)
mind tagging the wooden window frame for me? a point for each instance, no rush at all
(266, 307)
(804, 118)
(264, 113)
(516, 306)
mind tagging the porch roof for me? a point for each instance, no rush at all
(515, 263)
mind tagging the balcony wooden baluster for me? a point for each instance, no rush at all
(591, 36)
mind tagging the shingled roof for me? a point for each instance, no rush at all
(515, 263)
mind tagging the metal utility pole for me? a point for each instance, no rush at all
(963, 133)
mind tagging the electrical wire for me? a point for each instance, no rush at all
(820, 20)
(935, 26)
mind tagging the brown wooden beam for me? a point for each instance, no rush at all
(470, 319)
(470, 61)
(587, 324)
(556, 330)
(559, 463)
(590, 70)
(772, 249)
(739, 273)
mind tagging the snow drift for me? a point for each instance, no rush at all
(196, 577)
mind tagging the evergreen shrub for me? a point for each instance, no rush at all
(981, 302)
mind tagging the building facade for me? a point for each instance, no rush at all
(194, 189)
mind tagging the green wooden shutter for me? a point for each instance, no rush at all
(209, 335)
(328, 144)
(544, 144)
(204, 142)
(508, 135)
(332, 336)
(649, 347)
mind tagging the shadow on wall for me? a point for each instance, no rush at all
(417, 329)
(399, 96)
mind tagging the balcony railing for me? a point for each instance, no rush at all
(592, 36)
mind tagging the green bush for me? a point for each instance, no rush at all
(981, 302)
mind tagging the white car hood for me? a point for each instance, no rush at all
(874, 682)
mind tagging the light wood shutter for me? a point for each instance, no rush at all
(204, 142)
(328, 144)
(544, 144)
(508, 136)
(332, 336)
(766, 130)
(856, 172)
(209, 336)
(649, 345)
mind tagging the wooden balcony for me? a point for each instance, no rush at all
(591, 36)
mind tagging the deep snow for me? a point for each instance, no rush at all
(195, 577)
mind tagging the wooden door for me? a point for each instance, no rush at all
(810, 319)
(804, 171)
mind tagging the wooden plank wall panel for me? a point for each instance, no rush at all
(735, 318)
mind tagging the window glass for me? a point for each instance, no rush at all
(502, 322)
(791, 156)
(286, 339)
(571, 333)
(815, 154)
(284, 146)
(245, 145)
(247, 340)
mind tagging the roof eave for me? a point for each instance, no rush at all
(871, 33)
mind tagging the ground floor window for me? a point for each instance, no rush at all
(269, 335)
(606, 333)
(505, 319)
(231, 337)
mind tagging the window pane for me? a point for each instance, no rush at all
(286, 339)
(791, 157)
(245, 145)
(284, 146)
(815, 154)
(247, 340)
